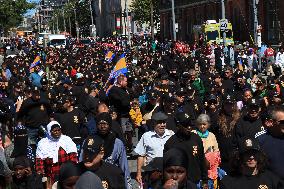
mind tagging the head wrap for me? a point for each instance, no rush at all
(104, 117)
(52, 125)
(89, 180)
(22, 161)
(175, 157)
(67, 170)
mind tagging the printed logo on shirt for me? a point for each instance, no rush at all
(263, 187)
(76, 120)
(196, 107)
(105, 184)
(194, 150)
(42, 108)
(248, 143)
(90, 142)
(262, 128)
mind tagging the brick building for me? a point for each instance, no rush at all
(190, 13)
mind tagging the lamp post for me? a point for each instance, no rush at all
(63, 15)
(174, 20)
(224, 17)
(93, 27)
(77, 25)
(127, 22)
(152, 20)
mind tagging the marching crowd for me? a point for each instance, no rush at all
(206, 116)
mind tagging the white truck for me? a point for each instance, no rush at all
(41, 36)
(56, 41)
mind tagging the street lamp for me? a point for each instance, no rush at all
(127, 22)
(224, 17)
(93, 27)
(174, 20)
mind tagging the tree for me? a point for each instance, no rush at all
(72, 8)
(12, 12)
(142, 11)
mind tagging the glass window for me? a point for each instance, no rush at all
(228, 34)
(57, 42)
(212, 35)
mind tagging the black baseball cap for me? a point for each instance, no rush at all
(246, 144)
(181, 92)
(212, 98)
(254, 103)
(92, 146)
(183, 119)
(229, 98)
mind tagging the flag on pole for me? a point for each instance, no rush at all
(109, 56)
(120, 68)
(241, 67)
(35, 62)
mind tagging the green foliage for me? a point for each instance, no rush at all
(82, 14)
(142, 11)
(12, 11)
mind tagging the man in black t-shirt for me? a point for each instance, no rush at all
(93, 153)
(72, 120)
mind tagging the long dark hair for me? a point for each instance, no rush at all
(237, 162)
(226, 125)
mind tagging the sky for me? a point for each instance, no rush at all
(32, 12)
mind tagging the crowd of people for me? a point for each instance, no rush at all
(206, 116)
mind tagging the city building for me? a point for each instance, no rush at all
(193, 13)
(45, 12)
(111, 17)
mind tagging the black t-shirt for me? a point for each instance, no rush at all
(120, 99)
(71, 122)
(34, 113)
(266, 180)
(194, 147)
(111, 176)
(33, 181)
(246, 128)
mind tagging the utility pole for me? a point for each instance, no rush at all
(174, 20)
(57, 28)
(152, 20)
(127, 22)
(93, 34)
(63, 15)
(64, 23)
(257, 33)
(76, 24)
(224, 17)
(53, 26)
(255, 23)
